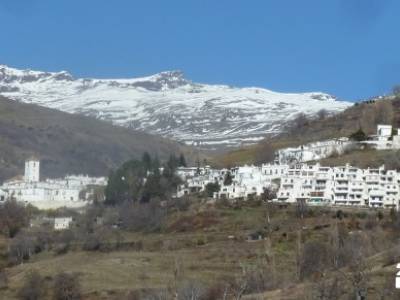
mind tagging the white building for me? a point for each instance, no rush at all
(340, 186)
(32, 170)
(385, 139)
(51, 193)
(62, 223)
(313, 184)
(312, 151)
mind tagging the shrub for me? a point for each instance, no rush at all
(358, 136)
(314, 259)
(66, 287)
(211, 188)
(33, 287)
(13, 217)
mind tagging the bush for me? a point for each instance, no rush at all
(3, 280)
(339, 214)
(142, 216)
(211, 188)
(13, 217)
(92, 242)
(21, 248)
(66, 287)
(314, 259)
(361, 215)
(33, 287)
(358, 136)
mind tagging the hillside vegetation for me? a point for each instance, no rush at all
(243, 250)
(365, 116)
(68, 143)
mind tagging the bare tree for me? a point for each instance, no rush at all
(327, 289)
(13, 217)
(21, 248)
(3, 279)
(33, 287)
(298, 123)
(241, 284)
(66, 287)
(314, 260)
(301, 208)
(191, 290)
(355, 253)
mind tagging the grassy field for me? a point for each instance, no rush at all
(205, 245)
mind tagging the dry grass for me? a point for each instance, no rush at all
(206, 255)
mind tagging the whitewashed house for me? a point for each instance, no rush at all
(62, 223)
(312, 151)
(385, 139)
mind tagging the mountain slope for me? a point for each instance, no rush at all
(68, 143)
(168, 104)
(364, 115)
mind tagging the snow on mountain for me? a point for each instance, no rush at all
(168, 104)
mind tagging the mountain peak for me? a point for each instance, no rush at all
(168, 104)
(9, 74)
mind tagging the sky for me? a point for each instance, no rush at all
(348, 48)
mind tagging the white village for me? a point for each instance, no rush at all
(289, 177)
(293, 180)
(71, 191)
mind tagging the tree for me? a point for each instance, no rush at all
(298, 123)
(268, 194)
(140, 181)
(13, 217)
(314, 259)
(211, 188)
(301, 208)
(3, 279)
(228, 178)
(66, 287)
(358, 136)
(146, 160)
(142, 216)
(21, 248)
(182, 160)
(125, 183)
(33, 287)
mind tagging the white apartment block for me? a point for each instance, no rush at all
(340, 186)
(313, 184)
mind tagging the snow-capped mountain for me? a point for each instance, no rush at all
(168, 104)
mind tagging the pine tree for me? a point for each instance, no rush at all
(182, 160)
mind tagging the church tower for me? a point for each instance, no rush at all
(32, 170)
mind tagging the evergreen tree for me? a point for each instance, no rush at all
(146, 160)
(133, 181)
(359, 136)
(228, 178)
(212, 188)
(182, 160)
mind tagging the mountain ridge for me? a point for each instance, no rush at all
(169, 105)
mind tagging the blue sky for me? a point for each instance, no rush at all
(349, 48)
